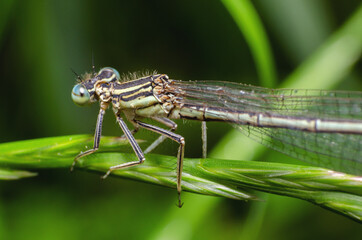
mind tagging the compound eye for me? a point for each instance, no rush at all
(108, 74)
(80, 95)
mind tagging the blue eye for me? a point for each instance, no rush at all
(80, 95)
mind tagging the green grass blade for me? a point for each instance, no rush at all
(230, 178)
(334, 60)
(160, 169)
(249, 23)
(53, 152)
(227, 178)
(6, 174)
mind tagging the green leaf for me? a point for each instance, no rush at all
(226, 178)
(249, 23)
(14, 174)
(53, 152)
(333, 60)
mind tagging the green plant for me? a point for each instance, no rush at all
(226, 178)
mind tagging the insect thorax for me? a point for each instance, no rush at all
(149, 91)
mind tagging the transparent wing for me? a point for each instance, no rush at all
(341, 152)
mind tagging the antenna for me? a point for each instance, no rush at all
(76, 74)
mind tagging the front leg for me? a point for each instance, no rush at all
(97, 139)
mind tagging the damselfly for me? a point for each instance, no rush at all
(312, 125)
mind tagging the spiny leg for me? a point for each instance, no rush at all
(135, 146)
(167, 122)
(97, 139)
(180, 156)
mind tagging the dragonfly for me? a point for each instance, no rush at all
(312, 125)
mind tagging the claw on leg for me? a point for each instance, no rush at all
(180, 204)
(73, 165)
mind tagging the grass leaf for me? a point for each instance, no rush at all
(249, 23)
(14, 174)
(227, 178)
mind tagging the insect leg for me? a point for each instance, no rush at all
(135, 146)
(97, 139)
(204, 139)
(160, 139)
(133, 132)
(180, 156)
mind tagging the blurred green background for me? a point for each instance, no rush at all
(40, 41)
